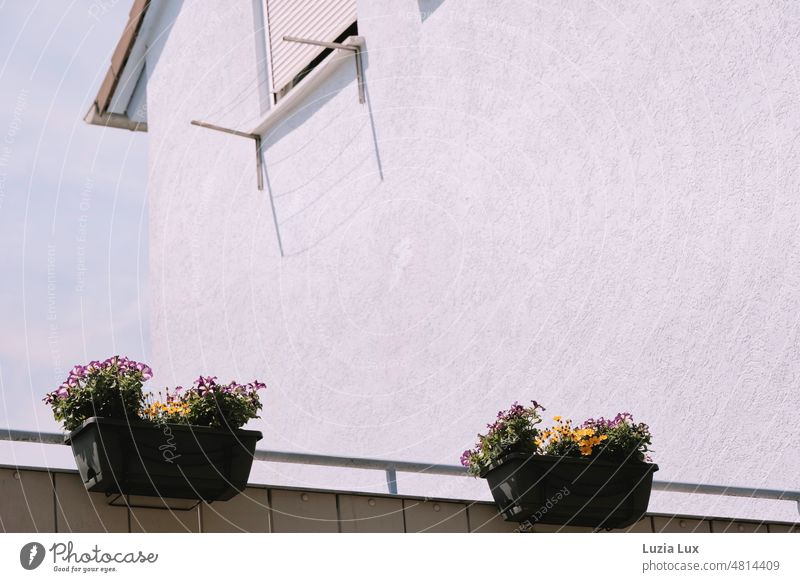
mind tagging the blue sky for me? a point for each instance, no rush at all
(73, 217)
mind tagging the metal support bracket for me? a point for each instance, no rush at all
(255, 137)
(259, 168)
(353, 48)
(139, 501)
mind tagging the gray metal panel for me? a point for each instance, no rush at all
(783, 528)
(363, 514)
(724, 526)
(435, 517)
(483, 518)
(80, 511)
(26, 502)
(678, 524)
(301, 512)
(163, 519)
(247, 512)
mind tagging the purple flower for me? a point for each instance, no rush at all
(206, 382)
(145, 370)
(79, 375)
(622, 418)
(598, 423)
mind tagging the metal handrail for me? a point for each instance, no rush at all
(726, 490)
(391, 468)
(31, 436)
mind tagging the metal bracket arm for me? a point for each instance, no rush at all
(255, 137)
(355, 49)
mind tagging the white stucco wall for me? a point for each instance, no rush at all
(593, 205)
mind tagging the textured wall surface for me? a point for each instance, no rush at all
(590, 204)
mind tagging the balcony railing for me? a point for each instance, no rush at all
(392, 467)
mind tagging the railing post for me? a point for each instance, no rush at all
(391, 480)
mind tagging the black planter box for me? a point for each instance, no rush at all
(569, 490)
(162, 460)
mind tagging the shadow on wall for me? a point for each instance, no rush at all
(427, 8)
(295, 120)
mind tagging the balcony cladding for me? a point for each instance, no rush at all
(323, 20)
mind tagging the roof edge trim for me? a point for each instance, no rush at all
(98, 113)
(116, 120)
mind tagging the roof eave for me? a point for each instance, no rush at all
(115, 120)
(98, 113)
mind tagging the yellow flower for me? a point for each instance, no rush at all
(557, 418)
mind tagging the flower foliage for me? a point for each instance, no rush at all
(513, 430)
(114, 389)
(625, 438)
(169, 407)
(564, 440)
(516, 430)
(209, 403)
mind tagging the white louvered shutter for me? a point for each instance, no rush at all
(312, 19)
